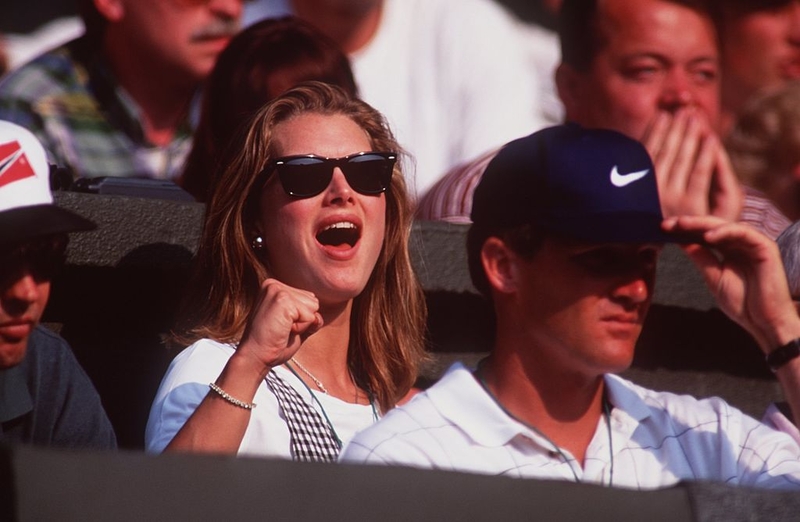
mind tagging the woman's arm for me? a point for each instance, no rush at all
(283, 318)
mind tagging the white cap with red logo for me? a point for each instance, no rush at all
(26, 203)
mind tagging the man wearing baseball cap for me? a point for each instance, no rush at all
(566, 231)
(45, 396)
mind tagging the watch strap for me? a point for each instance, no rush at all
(779, 357)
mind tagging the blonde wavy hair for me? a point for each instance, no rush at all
(388, 317)
(764, 145)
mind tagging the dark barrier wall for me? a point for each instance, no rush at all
(81, 486)
(115, 302)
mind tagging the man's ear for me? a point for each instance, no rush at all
(500, 265)
(570, 84)
(112, 10)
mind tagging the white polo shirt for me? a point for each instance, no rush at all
(657, 438)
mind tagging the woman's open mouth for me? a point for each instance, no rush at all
(340, 235)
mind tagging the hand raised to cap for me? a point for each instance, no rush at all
(743, 269)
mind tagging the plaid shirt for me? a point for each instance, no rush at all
(70, 100)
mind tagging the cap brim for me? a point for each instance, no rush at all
(618, 228)
(20, 224)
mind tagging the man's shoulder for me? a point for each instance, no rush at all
(450, 198)
(55, 72)
(451, 25)
(420, 433)
(47, 349)
(455, 12)
(419, 414)
(663, 408)
(404, 436)
(761, 213)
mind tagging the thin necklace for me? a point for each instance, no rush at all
(322, 388)
(478, 373)
(316, 381)
(375, 416)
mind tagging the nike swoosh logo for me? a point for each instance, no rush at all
(621, 180)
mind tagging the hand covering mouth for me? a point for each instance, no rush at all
(339, 234)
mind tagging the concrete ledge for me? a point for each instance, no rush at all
(87, 486)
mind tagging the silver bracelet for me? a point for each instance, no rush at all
(236, 402)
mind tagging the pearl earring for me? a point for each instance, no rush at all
(258, 243)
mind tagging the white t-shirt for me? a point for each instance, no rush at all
(451, 76)
(186, 384)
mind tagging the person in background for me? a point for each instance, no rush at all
(760, 49)
(4, 59)
(46, 399)
(789, 245)
(566, 231)
(539, 35)
(293, 313)
(21, 47)
(622, 68)
(261, 62)
(451, 76)
(117, 100)
(764, 146)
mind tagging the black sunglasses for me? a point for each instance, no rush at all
(307, 175)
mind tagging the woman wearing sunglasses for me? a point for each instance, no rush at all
(304, 316)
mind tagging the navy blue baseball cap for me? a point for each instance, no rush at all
(594, 185)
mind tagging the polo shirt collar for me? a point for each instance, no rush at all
(624, 398)
(460, 399)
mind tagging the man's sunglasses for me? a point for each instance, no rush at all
(307, 175)
(42, 258)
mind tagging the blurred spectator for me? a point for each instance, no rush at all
(46, 397)
(262, 62)
(450, 75)
(760, 49)
(3, 56)
(540, 43)
(764, 147)
(622, 68)
(104, 109)
(789, 245)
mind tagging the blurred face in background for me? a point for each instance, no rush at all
(760, 47)
(653, 56)
(186, 35)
